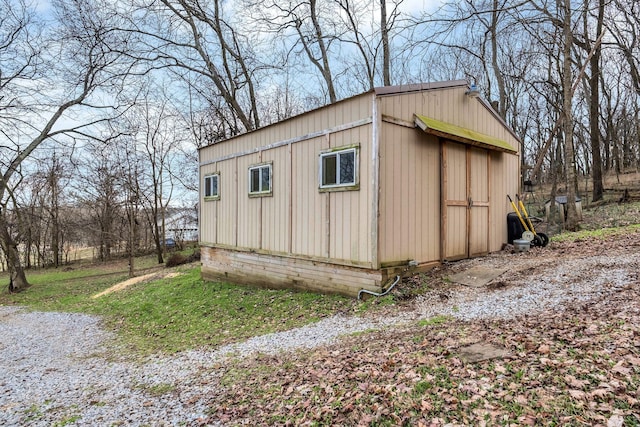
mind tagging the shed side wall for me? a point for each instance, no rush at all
(409, 196)
(410, 182)
(297, 219)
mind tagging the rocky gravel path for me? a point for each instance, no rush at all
(59, 368)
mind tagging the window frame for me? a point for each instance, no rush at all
(259, 167)
(211, 197)
(337, 152)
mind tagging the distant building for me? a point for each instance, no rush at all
(181, 224)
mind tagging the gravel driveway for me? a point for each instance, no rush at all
(57, 368)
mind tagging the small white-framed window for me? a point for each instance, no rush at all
(260, 180)
(339, 169)
(212, 187)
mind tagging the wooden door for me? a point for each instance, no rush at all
(465, 201)
(478, 171)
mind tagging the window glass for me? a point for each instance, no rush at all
(207, 186)
(339, 168)
(347, 167)
(255, 180)
(211, 186)
(260, 179)
(214, 185)
(265, 179)
(329, 169)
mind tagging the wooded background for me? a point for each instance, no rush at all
(104, 103)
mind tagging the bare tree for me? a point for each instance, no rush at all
(593, 46)
(54, 176)
(130, 187)
(305, 21)
(384, 35)
(567, 115)
(624, 26)
(49, 75)
(96, 195)
(372, 40)
(199, 43)
(488, 36)
(158, 137)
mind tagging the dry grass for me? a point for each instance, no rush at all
(138, 279)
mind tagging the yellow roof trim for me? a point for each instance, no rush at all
(460, 134)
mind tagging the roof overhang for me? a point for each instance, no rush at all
(463, 135)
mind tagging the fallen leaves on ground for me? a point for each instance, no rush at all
(579, 365)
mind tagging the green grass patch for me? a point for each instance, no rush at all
(156, 390)
(600, 234)
(370, 302)
(67, 421)
(186, 312)
(170, 315)
(436, 320)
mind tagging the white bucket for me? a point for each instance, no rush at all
(521, 245)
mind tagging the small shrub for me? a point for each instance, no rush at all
(195, 256)
(176, 259)
(179, 259)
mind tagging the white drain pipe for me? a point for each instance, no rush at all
(366, 291)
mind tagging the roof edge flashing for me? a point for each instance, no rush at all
(418, 87)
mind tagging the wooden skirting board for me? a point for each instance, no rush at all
(285, 272)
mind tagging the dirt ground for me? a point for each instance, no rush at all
(575, 261)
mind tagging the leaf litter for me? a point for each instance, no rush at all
(575, 364)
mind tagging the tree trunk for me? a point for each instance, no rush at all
(54, 214)
(594, 111)
(325, 69)
(497, 72)
(386, 56)
(132, 238)
(17, 279)
(160, 245)
(570, 163)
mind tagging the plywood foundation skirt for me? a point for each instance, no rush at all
(279, 272)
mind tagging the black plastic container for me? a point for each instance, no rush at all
(514, 227)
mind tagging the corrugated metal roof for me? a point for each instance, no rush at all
(460, 134)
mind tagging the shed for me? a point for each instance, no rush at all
(347, 196)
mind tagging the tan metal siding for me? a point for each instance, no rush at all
(275, 221)
(227, 205)
(503, 180)
(350, 210)
(456, 234)
(449, 105)
(455, 200)
(320, 120)
(208, 209)
(218, 219)
(249, 211)
(409, 195)
(297, 218)
(309, 213)
(299, 222)
(479, 231)
(479, 171)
